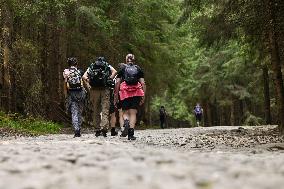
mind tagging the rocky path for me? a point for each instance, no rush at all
(202, 158)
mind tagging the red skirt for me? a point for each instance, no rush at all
(127, 91)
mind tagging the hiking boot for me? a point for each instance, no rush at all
(131, 134)
(77, 133)
(104, 132)
(98, 133)
(113, 132)
(126, 127)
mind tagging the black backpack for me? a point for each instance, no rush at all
(162, 112)
(131, 72)
(74, 80)
(99, 73)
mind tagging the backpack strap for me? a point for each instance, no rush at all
(107, 68)
(73, 69)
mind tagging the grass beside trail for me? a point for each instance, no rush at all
(34, 126)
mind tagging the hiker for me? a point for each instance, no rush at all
(119, 102)
(99, 77)
(74, 93)
(115, 108)
(198, 111)
(163, 115)
(112, 110)
(131, 88)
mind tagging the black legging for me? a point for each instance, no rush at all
(162, 121)
(198, 117)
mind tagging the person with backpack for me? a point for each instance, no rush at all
(163, 115)
(99, 77)
(112, 110)
(121, 66)
(115, 108)
(131, 88)
(198, 111)
(74, 93)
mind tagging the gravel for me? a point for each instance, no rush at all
(226, 137)
(12, 133)
(201, 158)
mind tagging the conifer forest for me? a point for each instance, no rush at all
(228, 55)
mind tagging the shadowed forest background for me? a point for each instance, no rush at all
(226, 54)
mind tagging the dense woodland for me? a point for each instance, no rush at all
(226, 54)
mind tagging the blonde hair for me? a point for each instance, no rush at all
(129, 58)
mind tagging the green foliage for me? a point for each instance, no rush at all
(175, 106)
(47, 32)
(220, 46)
(191, 51)
(252, 120)
(217, 74)
(28, 125)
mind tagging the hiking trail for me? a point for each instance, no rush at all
(202, 158)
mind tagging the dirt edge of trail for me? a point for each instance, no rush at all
(215, 138)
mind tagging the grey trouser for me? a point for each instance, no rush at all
(75, 104)
(76, 112)
(100, 99)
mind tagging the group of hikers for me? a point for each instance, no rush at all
(110, 91)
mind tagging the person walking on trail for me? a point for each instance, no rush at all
(99, 76)
(115, 109)
(112, 110)
(131, 88)
(119, 103)
(163, 115)
(74, 93)
(198, 111)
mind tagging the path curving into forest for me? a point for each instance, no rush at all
(202, 158)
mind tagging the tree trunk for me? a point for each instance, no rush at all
(62, 60)
(241, 111)
(232, 118)
(207, 114)
(44, 71)
(237, 112)
(278, 79)
(266, 95)
(220, 116)
(227, 115)
(54, 70)
(205, 119)
(148, 113)
(6, 32)
(276, 64)
(215, 113)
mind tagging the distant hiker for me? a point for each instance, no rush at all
(198, 111)
(163, 115)
(99, 77)
(131, 88)
(74, 93)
